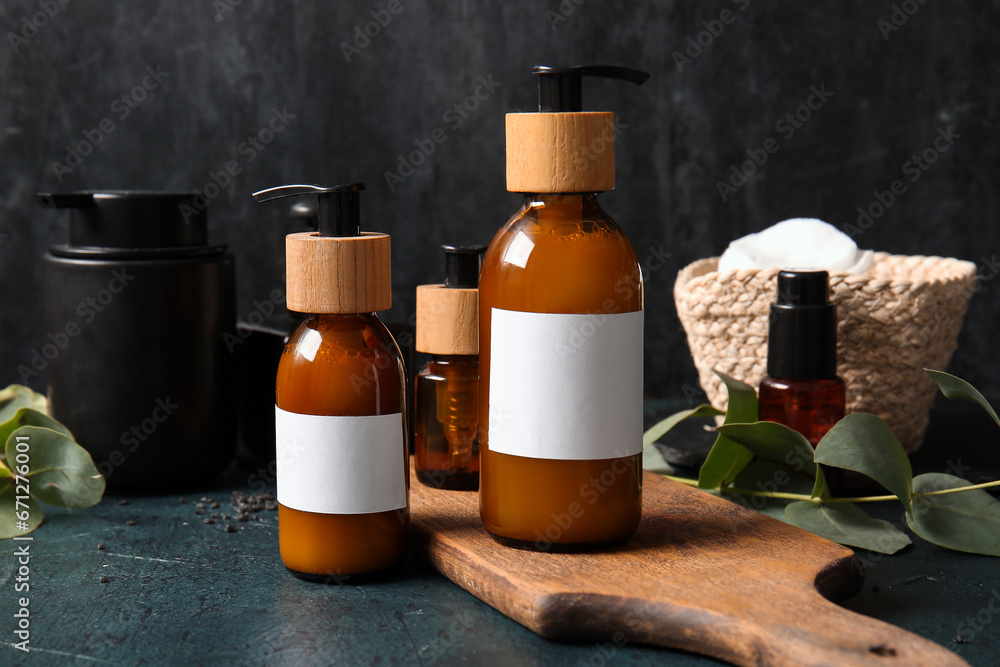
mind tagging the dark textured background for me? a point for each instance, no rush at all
(230, 63)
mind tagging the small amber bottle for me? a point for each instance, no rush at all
(341, 452)
(560, 327)
(802, 389)
(446, 425)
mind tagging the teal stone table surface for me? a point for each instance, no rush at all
(169, 589)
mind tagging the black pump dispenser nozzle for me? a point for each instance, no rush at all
(462, 265)
(560, 88)
(338, 210)
(802, 341)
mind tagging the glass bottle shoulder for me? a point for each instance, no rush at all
(561, 253)
(325, 337)
(561, 216)
(341, 365)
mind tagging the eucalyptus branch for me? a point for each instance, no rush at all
(780, 495)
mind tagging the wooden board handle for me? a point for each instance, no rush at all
(701, 574)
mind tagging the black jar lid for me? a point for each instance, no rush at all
(133, 223)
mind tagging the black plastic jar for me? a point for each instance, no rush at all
(137, 305)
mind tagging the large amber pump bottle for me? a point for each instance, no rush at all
(560, 325)
(342, 459)
(446, 401)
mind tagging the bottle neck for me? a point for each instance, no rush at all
(554, 209)
(555, 199)
(456, 359)
(341, 317)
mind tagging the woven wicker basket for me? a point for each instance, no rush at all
(901, 317)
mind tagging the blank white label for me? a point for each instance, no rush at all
(340, 465)
(565, 386)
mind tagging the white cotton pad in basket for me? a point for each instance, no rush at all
(800, 243)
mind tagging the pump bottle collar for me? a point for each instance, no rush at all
(339, 270)
(562, 149)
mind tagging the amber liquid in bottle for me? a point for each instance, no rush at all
(342, 365)
(558, 254)
(810, 407)
(446, 432)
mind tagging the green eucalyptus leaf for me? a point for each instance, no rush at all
(864, 443)
(820, 488)
(17, 396)
(659, 429)
(30, 417)
(727, 457)
(848, 524)
(61, 471)
(742, 400)
(724, 462)
(964, 521)
(955, 387)
(9, 507)
(768, 477)
(774, 442)
(653, 461)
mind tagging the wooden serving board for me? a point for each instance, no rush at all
(701, 574)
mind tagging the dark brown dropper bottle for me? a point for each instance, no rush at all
(446, 426)
(802, 390)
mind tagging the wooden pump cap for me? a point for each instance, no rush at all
(338, 274)
(447, 320)
(561, 152)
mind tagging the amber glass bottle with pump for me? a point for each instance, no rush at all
(560, 329)
(446, 425)
(343, 494)
(802, 390)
